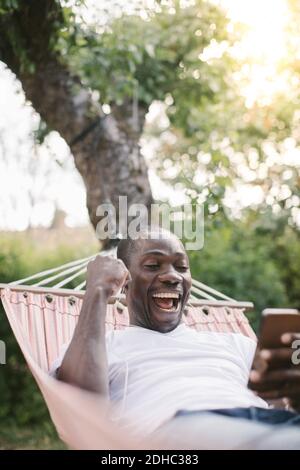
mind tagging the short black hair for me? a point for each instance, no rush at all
(128, 245)
(124, 250)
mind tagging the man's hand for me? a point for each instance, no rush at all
(85, 361)
(106, 273)
(276, 372)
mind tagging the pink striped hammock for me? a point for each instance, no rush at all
(43, 319)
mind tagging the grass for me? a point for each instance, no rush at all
(35, 438)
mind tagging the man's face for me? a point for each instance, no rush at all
(161, 281)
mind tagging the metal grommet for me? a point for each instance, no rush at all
(49, 298)
(72, 301)
(25, 294)
(120, 306)
(205, 310)
(228, 311)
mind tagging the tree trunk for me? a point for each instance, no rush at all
(105, 147)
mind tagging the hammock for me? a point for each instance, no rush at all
(43, 313)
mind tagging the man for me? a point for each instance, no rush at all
(158, 370)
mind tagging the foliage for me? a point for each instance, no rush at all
(286, 251)
(8, 6)
(13, 437)
(160, 55)
(47, 15)
(21, 402)
(181, 54)
(239, 262)
(147, 58)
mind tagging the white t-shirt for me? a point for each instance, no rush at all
(153, 375)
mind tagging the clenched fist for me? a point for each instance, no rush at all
(106, 273)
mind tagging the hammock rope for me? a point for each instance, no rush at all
(199, 290)
(50, 271)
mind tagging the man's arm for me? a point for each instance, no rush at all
(278, 372)
(85, 361)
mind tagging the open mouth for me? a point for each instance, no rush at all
(167, 301)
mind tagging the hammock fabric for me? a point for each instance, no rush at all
(43, 319)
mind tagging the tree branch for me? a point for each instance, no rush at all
(105, 148)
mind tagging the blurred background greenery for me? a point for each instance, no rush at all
(172, 100)
(22, 408)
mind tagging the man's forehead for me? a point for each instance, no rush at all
(166, 245)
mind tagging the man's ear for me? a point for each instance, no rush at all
(127, 282)
(126, 286)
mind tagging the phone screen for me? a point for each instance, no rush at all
(274, 324)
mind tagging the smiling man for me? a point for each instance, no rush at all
(160, 280)
(158, 370)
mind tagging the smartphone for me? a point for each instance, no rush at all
(274, 323)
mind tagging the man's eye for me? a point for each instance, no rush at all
(182, 268)
(151, 266)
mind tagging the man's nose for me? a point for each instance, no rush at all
(170, 277)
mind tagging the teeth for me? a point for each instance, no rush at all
(166, 295)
